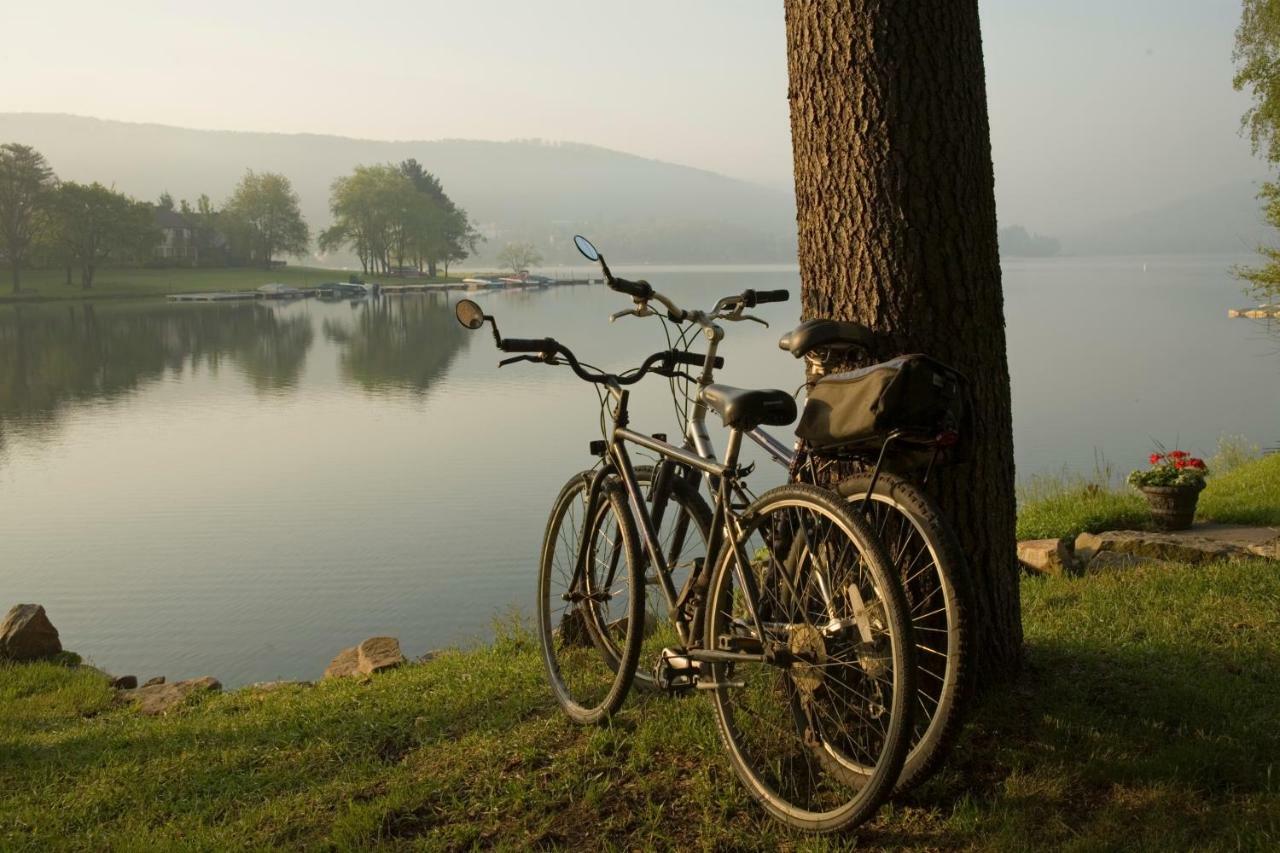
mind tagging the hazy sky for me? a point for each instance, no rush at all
(1098, 107)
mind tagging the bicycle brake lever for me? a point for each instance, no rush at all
(642, 311)
(516, 358)
(754, 320)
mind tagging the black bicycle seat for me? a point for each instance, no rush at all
(826, 334)
(746, 409)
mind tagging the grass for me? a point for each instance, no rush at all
(1244, 489)
(1146, 719)
(1246, 494)
(38, 285)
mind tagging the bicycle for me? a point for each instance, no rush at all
(907, 521)
(797, 627)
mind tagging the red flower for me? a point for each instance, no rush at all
(1195, 463)
(1178, 454)
(1179, 464)
(1155, 458)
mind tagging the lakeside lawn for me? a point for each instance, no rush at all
(1148, 717)
(1245, 492)
(38, 285)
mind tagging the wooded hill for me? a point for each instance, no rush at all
(643, 210)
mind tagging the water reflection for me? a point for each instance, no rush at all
(53, 357)
(396, 344)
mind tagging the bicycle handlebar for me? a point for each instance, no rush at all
(752, 298)
(546, 346)
(635, 289)
(663, 362)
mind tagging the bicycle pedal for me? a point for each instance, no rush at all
(676, 671)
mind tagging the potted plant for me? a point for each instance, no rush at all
(1172, 485)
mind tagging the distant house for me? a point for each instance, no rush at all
(183, 241)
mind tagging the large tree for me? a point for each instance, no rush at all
(26, 182)
(1257, 57)
(96, 223)
(264, 212)
(897, 230)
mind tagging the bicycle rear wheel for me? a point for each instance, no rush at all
(818, 730)
(931, 566)
(590, 629)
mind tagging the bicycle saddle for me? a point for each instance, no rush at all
(746, 409)
(818, 334)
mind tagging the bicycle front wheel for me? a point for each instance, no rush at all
(818, 726)
(590, 622)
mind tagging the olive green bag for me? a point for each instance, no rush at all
(917, 396)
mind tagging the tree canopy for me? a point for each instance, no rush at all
(263, 215)
(26, 185)
(93, 223)
(397, 216)
(519, 257)
(1257, 58)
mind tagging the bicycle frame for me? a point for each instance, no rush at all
(724, 523)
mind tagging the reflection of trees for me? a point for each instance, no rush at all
(403, 343)
(52, 356)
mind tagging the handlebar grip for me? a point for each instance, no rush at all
(546, 346)
(694, 359)
(635, 289)
(752, 298)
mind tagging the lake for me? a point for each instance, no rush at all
(243, 490)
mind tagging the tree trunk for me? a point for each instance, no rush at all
(68, 282)
(897, 230)
(86, 277)
(431, 269)
(16, 266)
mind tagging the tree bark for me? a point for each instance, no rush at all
(897, 230)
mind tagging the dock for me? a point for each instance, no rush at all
(215, 296)
(385, 289)
(1262, 312)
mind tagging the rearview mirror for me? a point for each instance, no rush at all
(469, 314)
(584, 246)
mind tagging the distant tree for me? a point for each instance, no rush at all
(1257, 58)
(26, 184)
(97, 223)
(263, 212)
(519, 257)
(1017, 242)
(165, 202)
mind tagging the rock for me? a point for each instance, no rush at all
(1048, 556)
(152, 682)
(344, 664)
(373, 655)
(573, 630)
(125, 682)
(1148, 546)
(27, 634)
(379, 653)
(430, 656)
(161, 698)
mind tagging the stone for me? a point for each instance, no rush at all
(373, 655)
(152, 682)
(125, 682)
(27, 634)
(379, 653)
(161, 698)
(1048, 556)
(1148, 546)
(344, 664)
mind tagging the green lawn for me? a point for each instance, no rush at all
(50, 284)
(1148, 718)
(1247, 493)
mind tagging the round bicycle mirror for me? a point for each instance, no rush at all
(469, 314)
(584, 246)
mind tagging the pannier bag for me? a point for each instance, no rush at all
(914, 394)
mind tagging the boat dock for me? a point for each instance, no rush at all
(1262, 312)
(340, 291)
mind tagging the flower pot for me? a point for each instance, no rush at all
(1172, 507)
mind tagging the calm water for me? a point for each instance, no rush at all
(242, 490)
